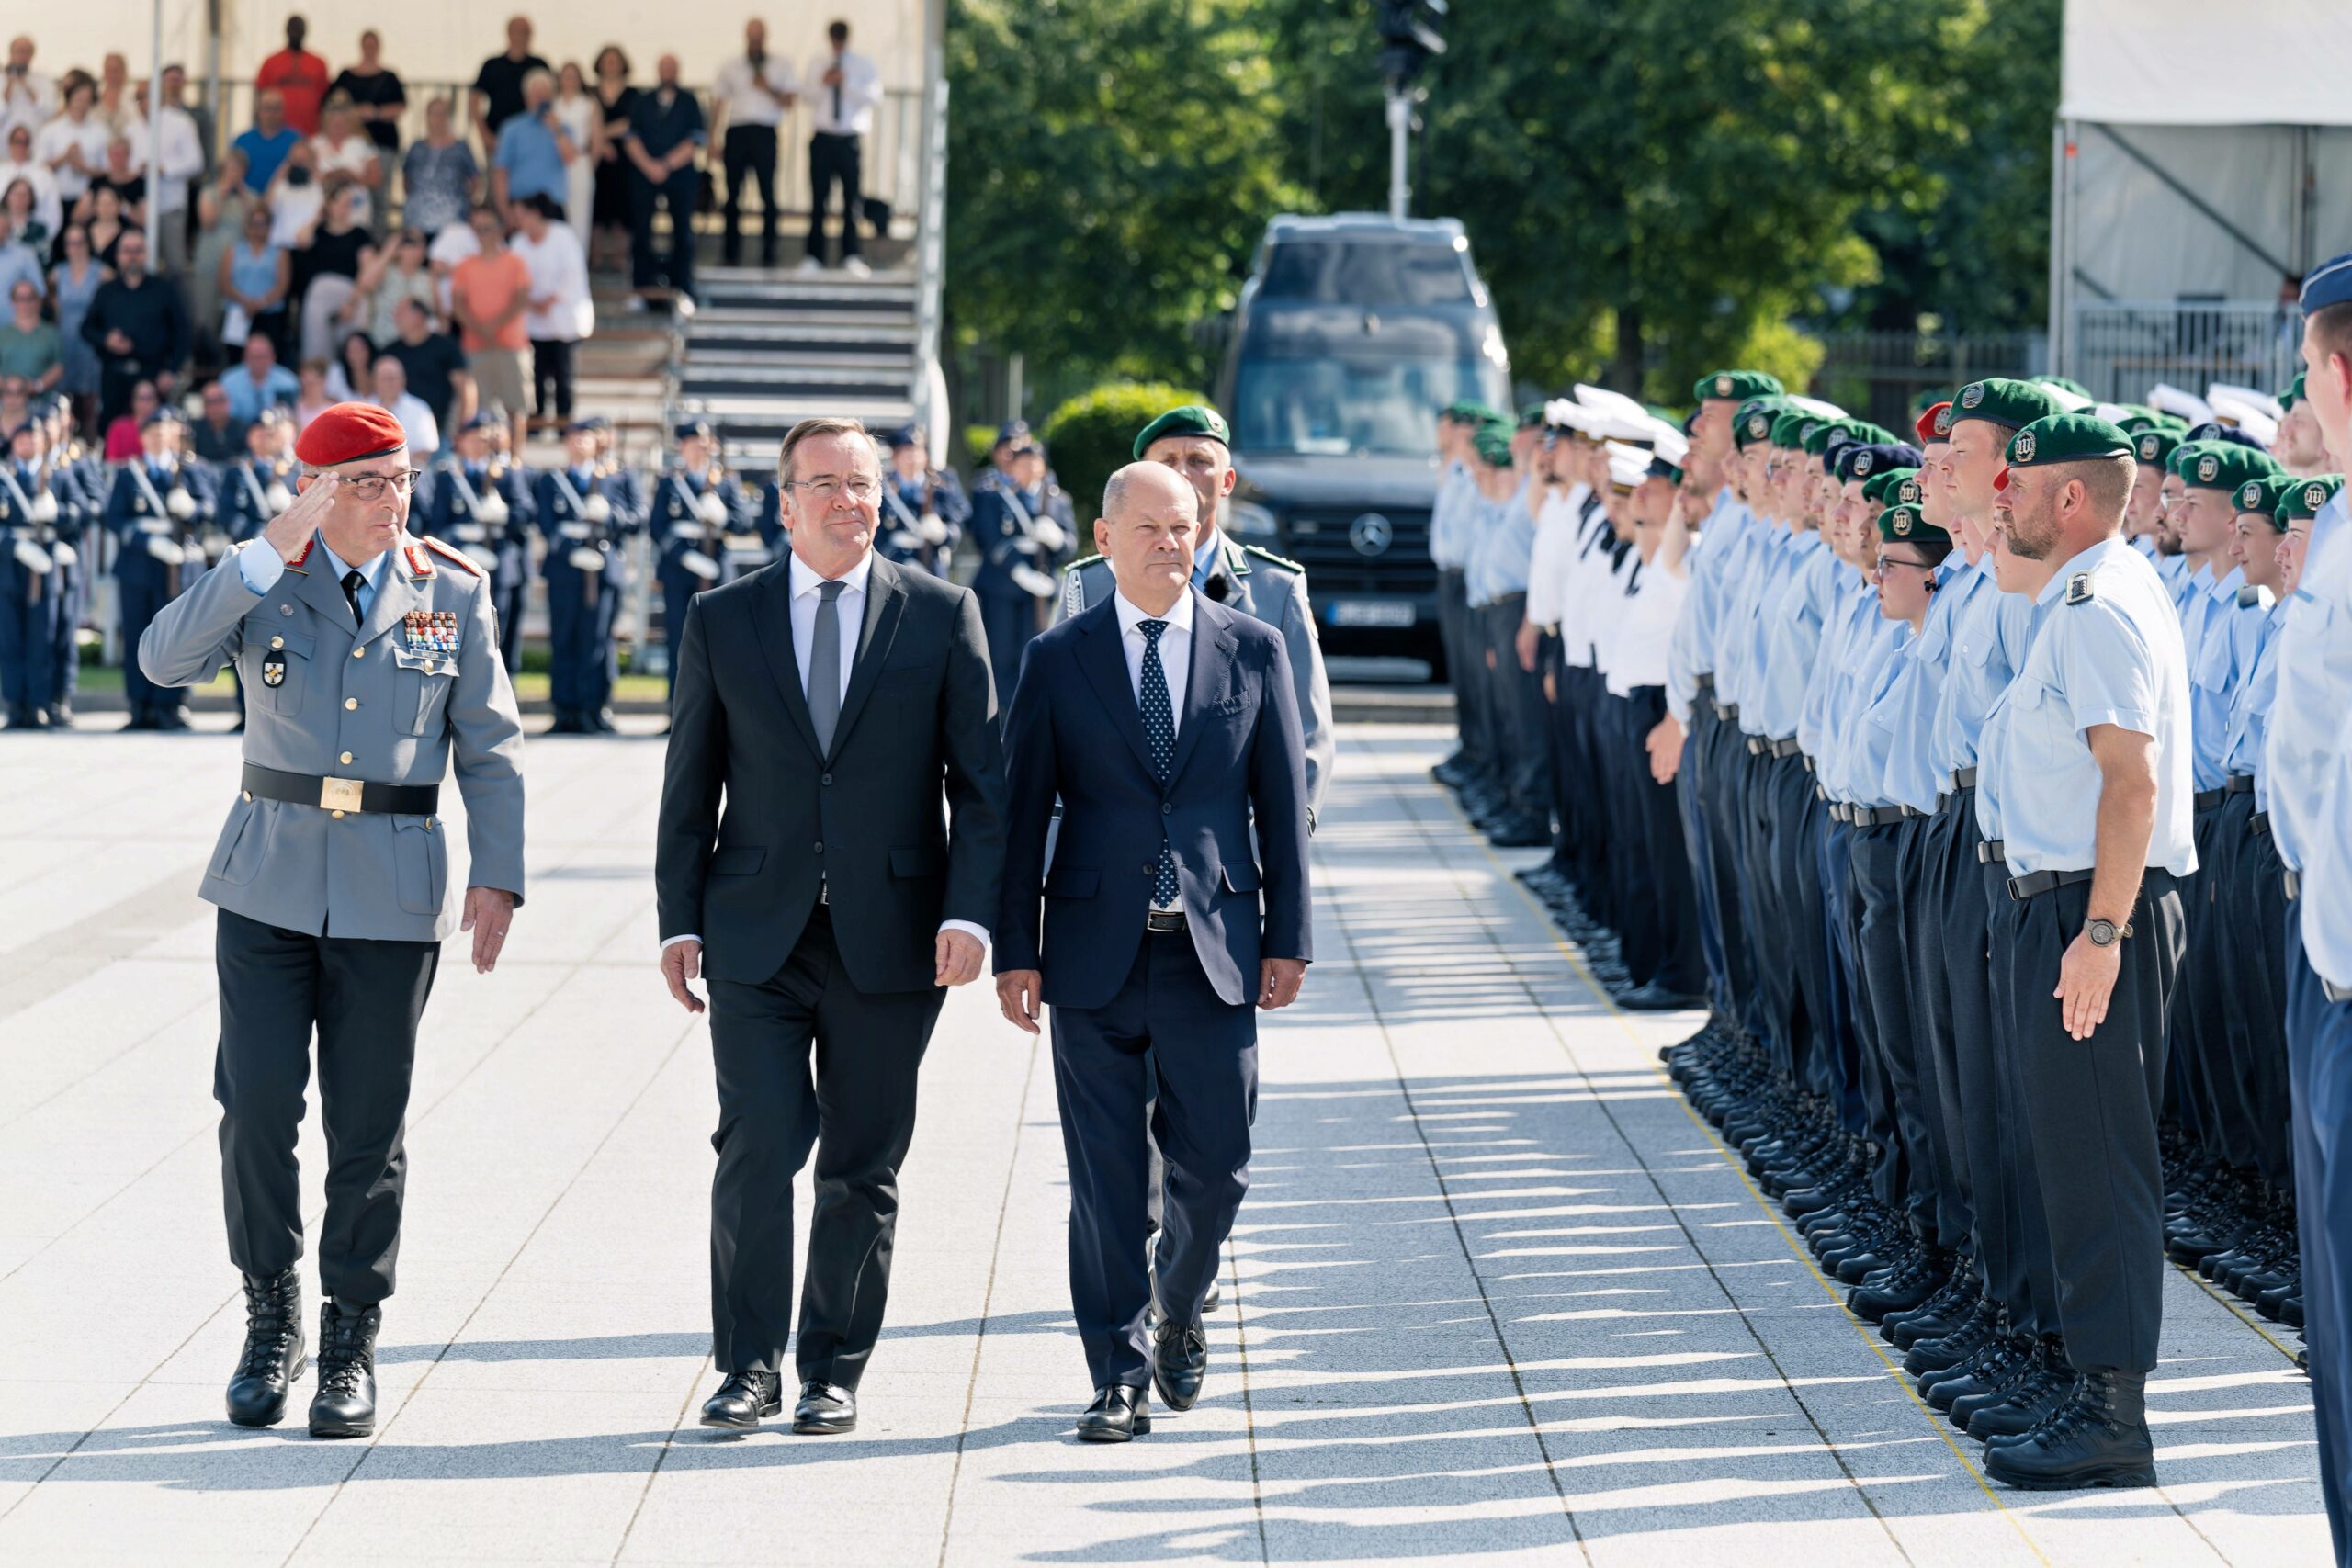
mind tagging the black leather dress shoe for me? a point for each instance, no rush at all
(1120, 1412)
(1655, 998)
(274, 1354)
(825, 1408)
(344, 1406)
(1180, 1358)
(741, 1400)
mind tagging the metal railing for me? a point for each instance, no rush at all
(2119, 349)
(891, 167)
(1882, 376)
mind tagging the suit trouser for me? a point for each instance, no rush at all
(833, 159)
(1666, 854)
(678, 193)
(1465, 663)
(1723, 813)
(140, 597)
(1010, 618)
(2250, 1032)
(807, 1038)
(1689, 813)
(1203, 1064)
(1939, 1096)
(363, 998)
(2319, 1054)
(2091, 1110)
(1519, 703)
(1909, 1181)
(750, 158)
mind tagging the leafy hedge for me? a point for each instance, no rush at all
(1093, 437)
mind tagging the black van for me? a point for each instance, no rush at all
(1351, 332)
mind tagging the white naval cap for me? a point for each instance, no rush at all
(1628, 466)
(2270, 408)
(2165, 398)
(2230, 409)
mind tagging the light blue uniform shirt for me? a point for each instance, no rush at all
(1505, 550)
(2307, 719)
(1829, 699)
(2222, 632)
(1746, 576)
(1455, 489)
(2109, 653)
(2250, 715)
(261, 566)
(1789, 626)
(1991, 632)
(1861, 755)
(1478, 519)
(1690, 653)
(1912, 777)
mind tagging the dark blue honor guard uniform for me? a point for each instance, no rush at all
(696, 507)
(479, 503)
(35, 561)
(1023, 528)
(585, 521)
(155, 509)
(923, 514)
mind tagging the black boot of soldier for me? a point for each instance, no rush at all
(344, 1406)
(273, 1353)
(2099, 1438)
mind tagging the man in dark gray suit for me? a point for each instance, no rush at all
(833, 700)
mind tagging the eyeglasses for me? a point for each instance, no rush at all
(1885, 561)
(375, 487)
(823, 492)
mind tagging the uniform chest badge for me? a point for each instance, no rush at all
(273, 669)
(2079, 587)
(431, 632)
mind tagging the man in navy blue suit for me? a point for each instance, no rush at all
(1161, 929)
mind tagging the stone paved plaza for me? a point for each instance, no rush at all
(1496, 1295)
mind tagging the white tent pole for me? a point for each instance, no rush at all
(155, 131)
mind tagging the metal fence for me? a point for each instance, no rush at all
(2119, 349)
(1882, 376)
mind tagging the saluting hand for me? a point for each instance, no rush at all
(292, 528)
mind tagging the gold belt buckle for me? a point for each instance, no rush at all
(340, 794)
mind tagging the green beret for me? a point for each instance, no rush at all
(1834, 433)
(2263, 495)
(1740, 384)
(1755, 419)
(2153, 445)
(1193, 419)
(2221, 465)
(2293, 394)
(2066, 438)
(1494, 446)
(1905, 524)
(1880, 488)
(2001, 401)
(1792, 427)
(2301, 501)
(1531, 416)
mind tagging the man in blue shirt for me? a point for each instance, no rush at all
(267, 143)
(531, 149)
(258, 381)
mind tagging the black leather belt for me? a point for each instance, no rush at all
(1808, 766)
(2294, 882)
(1164, 920)
(2333, 992)
(1821, 793)
(1913, 811)
(1874, 815)
(1759, 747)
(340, 796)
(1963, 778)
(2206, 800)
(1838, 810)
(2260, 823)
(1726, 712)
(1992, 849)
(2238, 783)
(1703, 683)
(2033, 884)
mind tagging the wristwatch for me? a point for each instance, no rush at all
(2104, 933)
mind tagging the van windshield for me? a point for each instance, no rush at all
(1364, 273)
(1330, 406)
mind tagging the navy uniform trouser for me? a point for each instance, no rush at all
(2248, 917)
(1689, 806)
(363, 999)
(1010, 618)
(1939, 1108)
(142, 597)
(30, 606)
(1465, 663)
(73, 601)
(1518, 697)
(1203, 1065)
(1583, 690)
(1858, 1089)
(509, 592)
(2319, 1056)
(1664, 858)
(1567, 826)
(1722, 812)
(581, 660)
(2091, 1108)
(2197, 1038)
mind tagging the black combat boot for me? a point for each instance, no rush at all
(274, 1354)
(344, 1406)
(2097, 1438)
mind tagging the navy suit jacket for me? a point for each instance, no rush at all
(1076, 733)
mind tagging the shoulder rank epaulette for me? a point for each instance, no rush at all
(1284, 561)
(301, 556)
(449, 552)
(2079, 587)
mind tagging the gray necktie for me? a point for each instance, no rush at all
(825, 666)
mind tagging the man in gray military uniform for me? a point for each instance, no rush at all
(1193, 440)
(368, 657)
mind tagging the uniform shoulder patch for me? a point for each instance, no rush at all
(1081, 561)
(447, 552)
(301, 559)
(2078, 589)
(1266, 555)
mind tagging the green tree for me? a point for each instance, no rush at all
(1109, 173)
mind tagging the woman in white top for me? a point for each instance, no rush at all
(72, 147)
(560, 312)
(582, 118)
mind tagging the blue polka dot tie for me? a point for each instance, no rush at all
(1159, 729)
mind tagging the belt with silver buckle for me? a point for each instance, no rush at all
(1874, 815)
(2238, 783)
(2033, 884)
(1913, 811)
(1726, 712)
(2260, 823)
(2206, 800)
(341, 794)
(1808, 764)
(1704, 684)
(2295, 885)
(1837, 809)
(1990, 851)
(2333, 992)
(1164, 920)
(1963, 778)
(1785, 747)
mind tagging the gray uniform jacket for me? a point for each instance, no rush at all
(1267, 588)
(357, 703)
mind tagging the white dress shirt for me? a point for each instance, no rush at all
(1175, 651)
(851, 610)
(182, 158)
(29, 100)
(53, 140)
(737, 88)
(860, 89)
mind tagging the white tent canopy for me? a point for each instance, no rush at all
(2193, 62)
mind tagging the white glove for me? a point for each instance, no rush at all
(164, 548)
(180, 504)
(712, 509)
(493, 510)
(701, 565)
(1031, 580)
(933, 530)
(44, 507)
(597, 509)
(1049, 534)
(31, 556)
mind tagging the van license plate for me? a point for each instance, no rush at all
(1372, 613)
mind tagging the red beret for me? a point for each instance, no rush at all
(350, 432)
(1936, 424)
